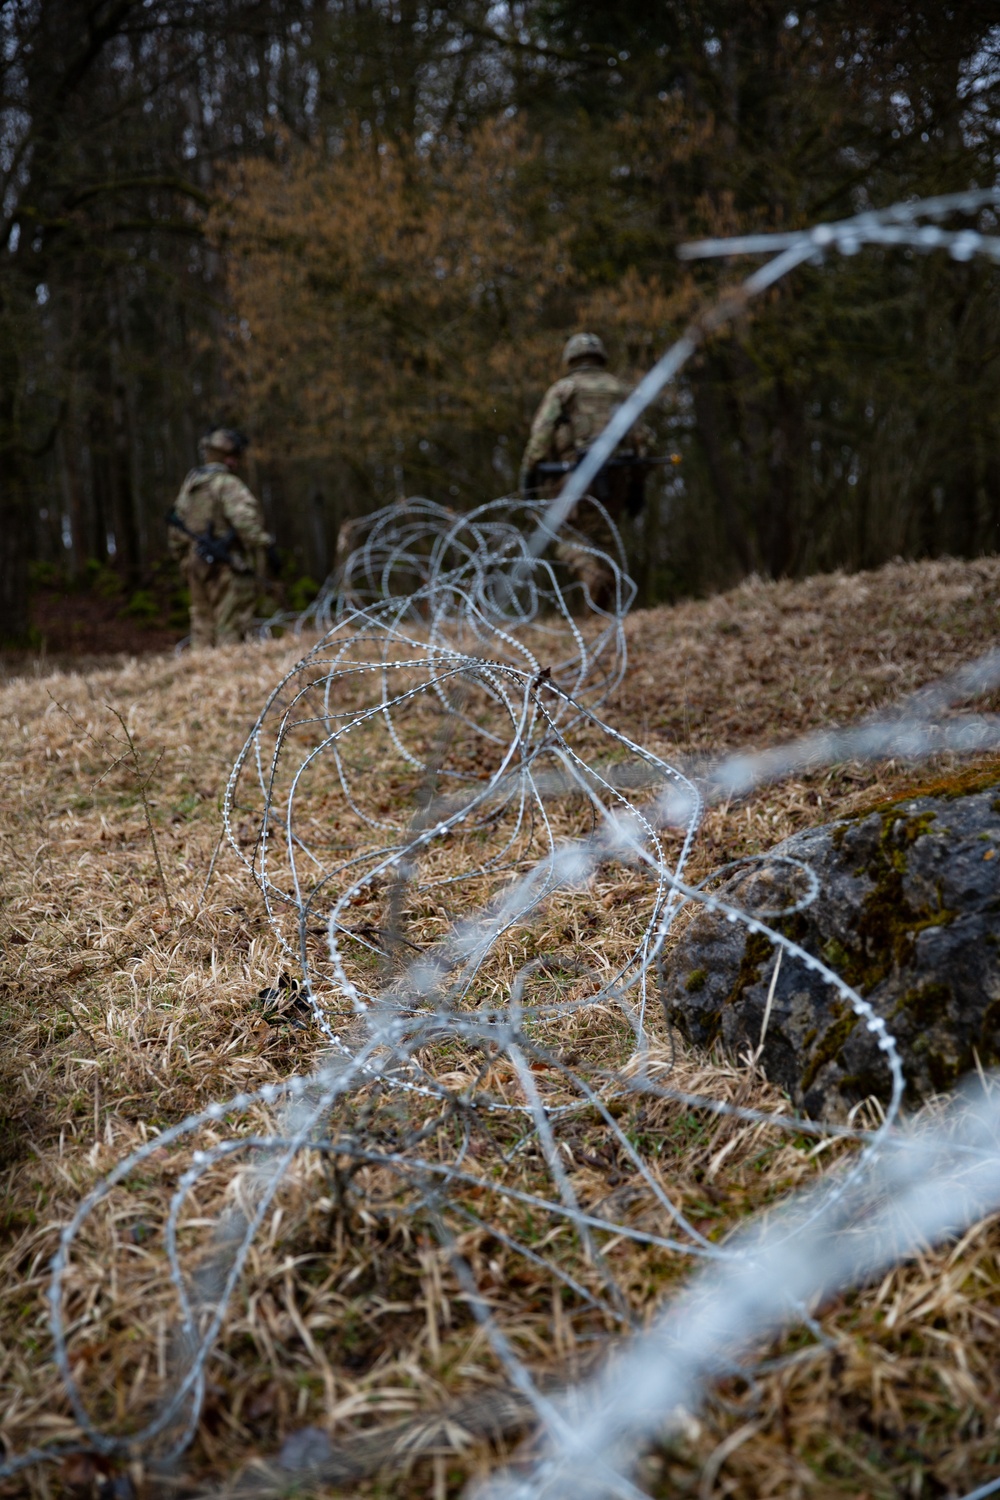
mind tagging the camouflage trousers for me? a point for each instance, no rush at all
(588, 559)
(222, 603)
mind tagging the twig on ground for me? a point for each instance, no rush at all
(143, 782)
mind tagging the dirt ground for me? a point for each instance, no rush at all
(81, 630)
(135, 953)
(82, 624)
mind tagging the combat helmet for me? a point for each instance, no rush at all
(584, 346)
(222, 442)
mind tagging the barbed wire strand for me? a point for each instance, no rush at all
(458, 665)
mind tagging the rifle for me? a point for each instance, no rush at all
(627, 459)
(209, 547)
(637, 463)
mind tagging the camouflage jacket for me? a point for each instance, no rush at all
(213, 496)
(572, 414)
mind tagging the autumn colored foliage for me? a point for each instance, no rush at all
(402, 308)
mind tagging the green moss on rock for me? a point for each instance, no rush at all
(924, 1004)
(887, 924)
(828, 1047)
(886, 875)
(952, 786)
(757, 951)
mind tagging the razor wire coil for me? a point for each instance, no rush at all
(458, 666)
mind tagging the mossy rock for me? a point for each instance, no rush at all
(907, 915)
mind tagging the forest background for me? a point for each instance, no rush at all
(362, 229)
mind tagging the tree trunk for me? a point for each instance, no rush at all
(713, 437)
(15, 528)
(15, 502)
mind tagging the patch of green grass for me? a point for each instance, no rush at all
(142, 607)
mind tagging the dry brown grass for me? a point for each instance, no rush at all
(130, 1001)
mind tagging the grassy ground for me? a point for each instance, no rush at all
(134, 962)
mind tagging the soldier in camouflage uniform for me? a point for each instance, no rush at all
(215, 503)
(573, 413)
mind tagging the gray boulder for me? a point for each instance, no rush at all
(908, 913)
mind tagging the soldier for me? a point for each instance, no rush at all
(217, 535)
(572, 414)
